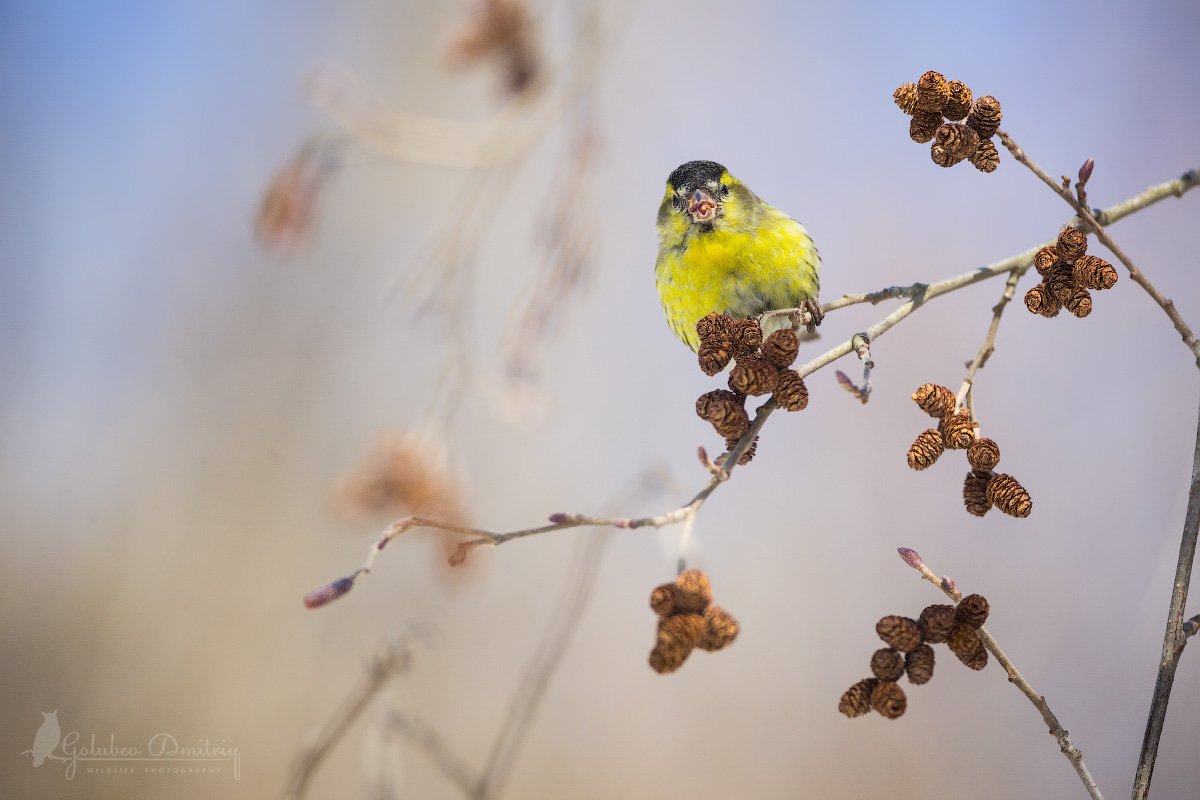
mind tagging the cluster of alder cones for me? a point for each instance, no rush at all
(1068, 272)
(908, 651)
(956, 430)
(938, 108)
(761, 366)
(687, 619)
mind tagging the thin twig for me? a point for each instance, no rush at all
(1089, 219)
(919, 294)
(1175, 637)
(426, 737)
(392, 659)
(1073, 753)
(989, 342)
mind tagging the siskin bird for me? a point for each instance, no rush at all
(721, 248)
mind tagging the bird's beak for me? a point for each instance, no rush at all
(702, 206)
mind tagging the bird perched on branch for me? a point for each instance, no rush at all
(721, 248)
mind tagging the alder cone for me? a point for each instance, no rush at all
(693, 592)
(963, 641)
(725, 411)
(1092, 272)
(905, 97)
(899, 632)
(714, 323)
(1072, 243)
(662, 600)
(856, 701)
(747, 456)
(889, 700)
(986, 158)
(985, 116)
(923, 126)
(936, 401)
(1060, 281)
(925, 450)
(1008, 495)
(975, 496)
(781, 347)
(714, 353)
(919, 665)
(790, 391)
(747, 335)
(936, 622)
(677, 637)
(1079, 303)
(983, 454)
(720, 629)
(958, 430)
(972, 610)
(933, 92)
(959, 104)
(753, 375)
(1041, 301)
(887, 664)
(1045, 258)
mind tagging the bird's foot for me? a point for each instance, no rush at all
(812, 315)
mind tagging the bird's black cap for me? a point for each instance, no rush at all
(694, 174)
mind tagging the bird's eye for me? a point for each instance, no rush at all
(724, 190)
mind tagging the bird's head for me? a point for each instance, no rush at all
(703, 196)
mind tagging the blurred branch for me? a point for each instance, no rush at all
(392, 659)
(1187, 181)
(424, 735)
(1175, 636)
(1073, 753)
(919, 295)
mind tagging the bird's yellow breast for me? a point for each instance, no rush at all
(738, 271)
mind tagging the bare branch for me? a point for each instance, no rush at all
(391, 660)
(989, 342)
(919, 294)
(424, 735)
(1087, 218)
(1073, 753)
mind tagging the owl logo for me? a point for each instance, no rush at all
(46, 740)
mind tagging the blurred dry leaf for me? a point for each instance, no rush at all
(285, 215)
(404, 474)
(503, 29)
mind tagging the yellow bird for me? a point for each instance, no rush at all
(721, 248)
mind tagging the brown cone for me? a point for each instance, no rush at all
(725, 411)
(972, 610)
(1045, 258)
(753, 375)
(925, 450)
(936, 622)
(790, 391)
(677, 637)
(1009, 496)
(1092, 272)
(1079, 303)
(747, 336)
(985, 116)
(747, 456)
(857, 699)
(901, 633)
(1072, 243)
(958, 139)
(977, 660)
(963, 641)
(933, 92)
(1042, 302)
(887, 664)
(924, 124)
(942, 156)
(714, 353)
(714, 323)
(919, 664)
(781, 347)
(889, 699)
(906, 97)
(958, 431)
(693, 592)
(720, 629)
(959, 104)
(986, 157)
(662, 600)
(936, 401)
(983, 454)
(1060, 281)
(975, 496)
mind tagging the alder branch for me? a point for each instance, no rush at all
(391, 660)
(1175, 636)
(1061, 735)
(989, 341)
(426, 737)
(918, 294)
(1087, 218)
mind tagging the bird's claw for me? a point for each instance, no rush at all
(815, 314)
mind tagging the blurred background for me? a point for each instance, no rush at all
(276, 273)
